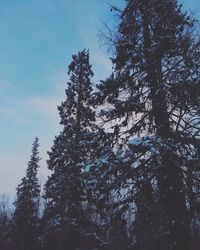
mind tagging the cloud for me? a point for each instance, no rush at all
(43, 107)
(13, 166)
(4, 87)
(23, 118)
(12, 170)
(12, 115)
(100, 60)
(29, 110)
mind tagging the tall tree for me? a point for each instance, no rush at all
(154, 89)
(65, 191)
(25, 215)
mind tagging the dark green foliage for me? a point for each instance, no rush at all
(25, 217)
(65, 190)
(156, 70)
(131, 181)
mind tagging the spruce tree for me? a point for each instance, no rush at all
(154, 90)
(25, 217)
(65, 191)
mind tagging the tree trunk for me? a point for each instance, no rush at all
(172, 197)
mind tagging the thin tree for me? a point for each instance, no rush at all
(25, 216)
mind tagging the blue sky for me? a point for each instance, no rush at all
(37, 41)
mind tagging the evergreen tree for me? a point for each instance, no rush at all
(25, 217)
(154, 89)
(65, 191)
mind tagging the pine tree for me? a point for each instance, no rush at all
(65, 191)
(25, 217)
(154, 90)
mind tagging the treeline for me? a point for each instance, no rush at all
(125, 169)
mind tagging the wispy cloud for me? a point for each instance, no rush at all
(4, 87)
(100, 60)
(23, 118)
(36, 50)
